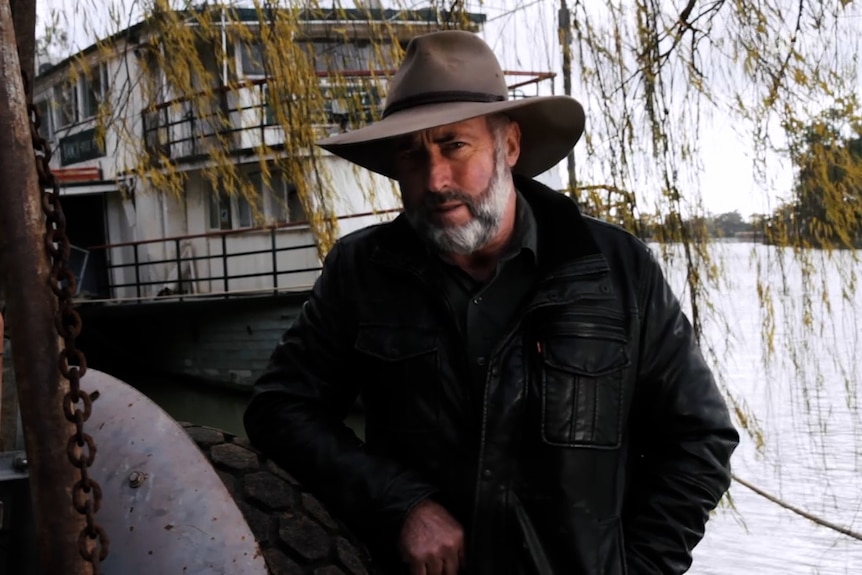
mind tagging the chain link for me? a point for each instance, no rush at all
(93, 542)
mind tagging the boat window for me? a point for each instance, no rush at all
(284, 204)
(251, 59)
(65, 105)
(156, 80)
(93, 84)
(209, 73)
(243, 209)
(295, 209)
(220, 210)
(79, 99)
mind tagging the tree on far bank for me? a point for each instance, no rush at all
(825, 210)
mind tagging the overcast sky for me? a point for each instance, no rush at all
(524, 35)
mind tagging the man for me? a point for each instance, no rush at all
(535, 401)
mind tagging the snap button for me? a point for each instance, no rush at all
(487, 473)
(481, 360)
(477, 300)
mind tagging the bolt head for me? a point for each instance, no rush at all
(136, 478)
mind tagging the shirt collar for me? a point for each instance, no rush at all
(525, 236)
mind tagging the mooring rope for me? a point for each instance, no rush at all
(813, 518)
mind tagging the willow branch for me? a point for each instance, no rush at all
(813, 518)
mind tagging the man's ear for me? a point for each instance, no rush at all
(513, 143)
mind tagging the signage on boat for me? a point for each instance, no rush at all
(79, 147)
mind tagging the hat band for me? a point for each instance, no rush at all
(441, 98)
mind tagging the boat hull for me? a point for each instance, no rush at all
(224, 342)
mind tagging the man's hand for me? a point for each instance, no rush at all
(432, 541)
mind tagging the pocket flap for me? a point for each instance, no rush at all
(582, 356)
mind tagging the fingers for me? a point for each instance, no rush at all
(436, 566)
(451, 566)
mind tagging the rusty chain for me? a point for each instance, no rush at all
(92, 541)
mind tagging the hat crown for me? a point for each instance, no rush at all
(453, 76)
(447, 66)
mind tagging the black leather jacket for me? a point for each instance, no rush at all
(601, 442)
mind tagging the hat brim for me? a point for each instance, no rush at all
(550, 128)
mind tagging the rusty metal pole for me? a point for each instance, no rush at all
(30, 312)
(24, 19)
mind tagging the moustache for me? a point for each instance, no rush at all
(434, 199)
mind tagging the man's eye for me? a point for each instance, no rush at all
(455, 145)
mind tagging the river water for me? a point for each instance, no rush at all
(804, 400)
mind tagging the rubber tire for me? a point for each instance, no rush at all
(296, 534)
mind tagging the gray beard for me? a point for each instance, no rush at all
(487, 211)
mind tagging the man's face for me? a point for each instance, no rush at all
(456, 182)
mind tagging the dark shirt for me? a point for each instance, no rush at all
(484, 311)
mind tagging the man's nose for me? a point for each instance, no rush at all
(438, 173)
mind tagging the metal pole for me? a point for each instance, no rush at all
(30, 314)
(224, 263)
(566, 41)
(137, 273)
(274, 261)
(179, 264)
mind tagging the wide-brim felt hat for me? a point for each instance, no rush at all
(452, 76)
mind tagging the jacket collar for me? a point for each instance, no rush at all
(563, 235)
(566, 247)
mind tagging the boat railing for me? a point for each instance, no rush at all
(263, 260)
(248, 115)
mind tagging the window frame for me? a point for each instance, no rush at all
(84, 84)
(64, 104)
(242, 50)
(280, 199)
(73, 102)
(239, 212)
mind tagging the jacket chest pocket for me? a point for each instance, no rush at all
(581, 377)
(400, 381)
